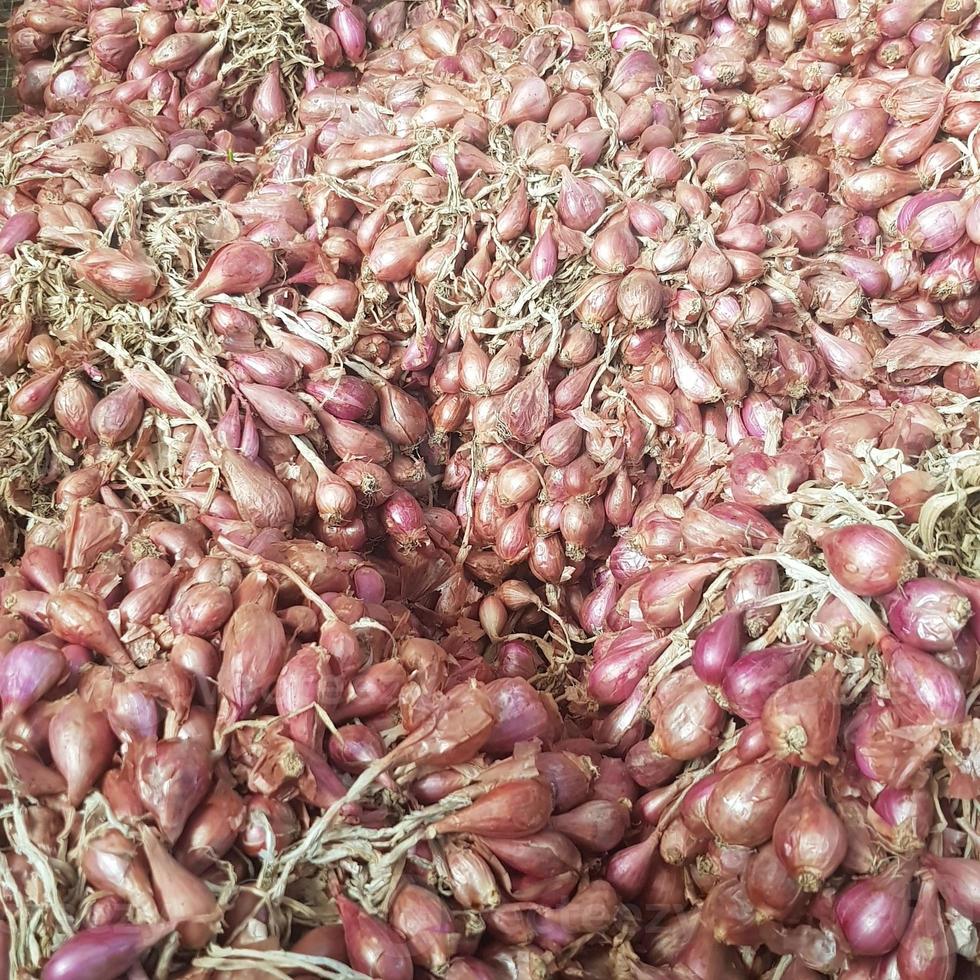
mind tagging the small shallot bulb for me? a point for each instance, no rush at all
(867, 559)
(511, 809)
(640, 297)
(902, 818)
(113, 863)
(873, 913)
(172, 777)
(745, 803)
(709, 271)
(769, 887)
(801, 718)
(688, 719)
(910, 491)
(751, 680)
(394, 259)
(670, 594)
(717, 647)
(927, 951)
(529, 101)
(181, 894)
(615, 248)
(958, 880)
(238, 268)
(103, 951)
(374, 947)
(427, 924)
(923, 690)
(810, 839)
(82, 745)
(27, 672)
(928, 613)
(126, 277)
(579, 203)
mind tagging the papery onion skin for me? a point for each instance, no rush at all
(427, 923)
(82, 745)
(508, 810)
(751, 680)
(902, 818)
(670, 595)
(172, 778)
(770, 888)
(181, 895)
(373, 946)
(688, 719)
(750, 583)
(113, 863)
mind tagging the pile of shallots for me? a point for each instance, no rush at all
(489, 490)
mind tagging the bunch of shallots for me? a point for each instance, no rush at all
(211, 61)
(490, 489)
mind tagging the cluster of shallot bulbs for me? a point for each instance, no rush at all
(484, 519)
(179, 59)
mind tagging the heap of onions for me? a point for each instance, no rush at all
(200, 60)
(489, 491)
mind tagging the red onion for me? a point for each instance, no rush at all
(750, 681)
(923, 690)
(873, 913)
(521, 712)
(670, 595)
(27, 672)
(927, 613)
(182, 895)
(958, 881)
(717, 647)
(172, 778)
(254, 652)
(613, 678)
(902, 817)
(866, 559)
(507, 810)
(103, 950)
(808, 836)
(113, 863)
(927, 949)
(801, 719)
(598, 825)
(82, 745)
(745, 803)
(427, 923)
(688, 720)
(373, 946)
